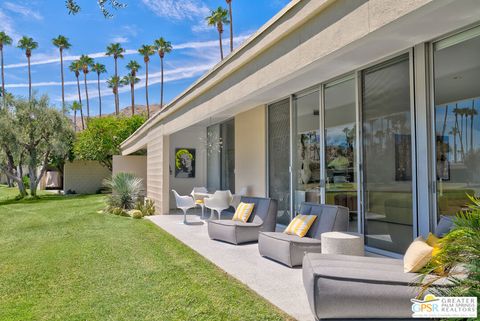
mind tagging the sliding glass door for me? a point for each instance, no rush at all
(340, 146)
(457, 120)
(388, 155)
(221, 162)
(279, 158)
(306, 149)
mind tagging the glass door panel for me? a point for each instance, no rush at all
(306, 154)
(457, 120)
(340, 147)
(387, 155)
(279, 158)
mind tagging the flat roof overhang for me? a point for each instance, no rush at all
(307, 43)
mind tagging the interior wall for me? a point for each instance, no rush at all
(250, 151)
(191, 137)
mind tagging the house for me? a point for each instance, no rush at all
(374, 105)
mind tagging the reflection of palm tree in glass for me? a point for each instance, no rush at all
(458, 111)
(472, 112)
(454, 132)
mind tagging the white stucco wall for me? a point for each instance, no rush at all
(250, 151)
(84, 177)
(158, 170)
(135, 164)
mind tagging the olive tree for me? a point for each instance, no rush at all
(34, 134)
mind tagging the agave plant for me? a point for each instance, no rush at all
(458, 260)
(126, 189)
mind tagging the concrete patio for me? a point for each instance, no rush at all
(280, 285)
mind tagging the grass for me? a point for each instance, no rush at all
(61, 260)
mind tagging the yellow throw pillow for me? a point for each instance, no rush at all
(300, 225)
(433, 241)
(199, 202)
(417, 256)
(243, 212)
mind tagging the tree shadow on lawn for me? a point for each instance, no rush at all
(43, 199)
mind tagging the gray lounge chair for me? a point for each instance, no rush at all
(358, 287)
(290, 249)
(263, 218)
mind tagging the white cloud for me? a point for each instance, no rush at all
(24, 11)
(178, 10)
(119, 39)
(6, 25)
(43, 59)
(153, 78)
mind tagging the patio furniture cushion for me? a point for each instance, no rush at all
(300, 225)
(444, 226)
(262, 218)
(290, 249)
(243, 212)
(357, 287)
(286, 248)
(417, 256)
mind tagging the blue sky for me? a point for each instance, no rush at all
(181, 22)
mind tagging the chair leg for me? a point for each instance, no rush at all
(219, 214)
(184, 216)
(203, 211)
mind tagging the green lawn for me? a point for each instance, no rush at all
(61, 260)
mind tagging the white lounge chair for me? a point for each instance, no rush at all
(184, 203)
(218, 202)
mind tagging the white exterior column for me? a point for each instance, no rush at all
(158, 174)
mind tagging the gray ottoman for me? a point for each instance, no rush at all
(343, 243)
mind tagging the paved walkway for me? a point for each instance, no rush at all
(280, 285)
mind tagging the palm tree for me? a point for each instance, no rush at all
(61, 42)
(75, 67)
(163, 47)
(229, 2)
(99, 69)
(218, 18)
(75, 106)
(146, 51)
(86, 62)
(28, 44)
(133, 66)
(114, 83)
(115, 50)
(5, 40)
(131, 80)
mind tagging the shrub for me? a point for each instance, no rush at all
(126, 190)
(459, 256)
(147, 207)
(135, 214)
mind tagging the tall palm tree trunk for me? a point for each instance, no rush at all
(80, 101)
(63, 83)
(117, 103)
(231, 25)
(444, 128)
(161, 83)
(99, 96)
(221, 45)
(86, 95)
(29, 80)
(75, 120)
(146, 89)
(3, 80)
(132, 90)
